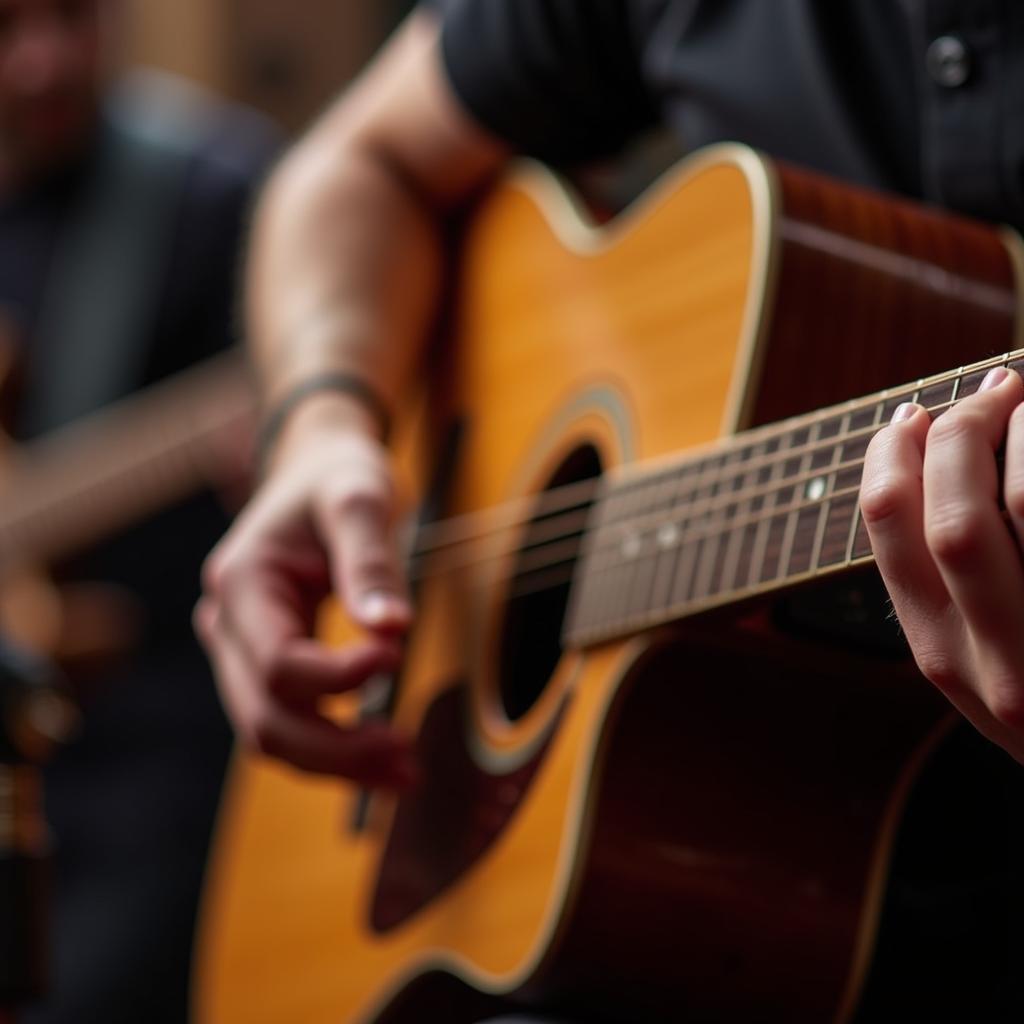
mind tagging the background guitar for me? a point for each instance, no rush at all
(624, 815)
(79, 485)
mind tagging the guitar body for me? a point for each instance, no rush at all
(688, 824)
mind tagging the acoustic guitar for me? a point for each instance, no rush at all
(642, 799)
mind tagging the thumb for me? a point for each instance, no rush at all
(366, 568)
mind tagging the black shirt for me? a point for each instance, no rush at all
(923, 97)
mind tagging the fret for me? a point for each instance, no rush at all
(582, 595)
(692, 533)
(773, 547)
(684, 571)
(607, 557)
(854, 448)
(957, 381)
(653, 501)
(669, 533)
(595, 610)
(742, 576)
(733, 563)
(628, 545)
(825, 458)
(710, 564)
(842, 513)
(714, 584)
(760, 504)
(860, 544)
(968, 383)
(779, 530)
(844, 535)
(889, 406)
(835, 542)
(937, 396)
(624, 544)
(804, 531)
(819, 530)
(730, 535)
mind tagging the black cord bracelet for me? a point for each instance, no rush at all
(349, 383)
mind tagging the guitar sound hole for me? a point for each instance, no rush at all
(539, 589)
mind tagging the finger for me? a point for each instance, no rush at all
(892, 504)
(972, 547)
(1013, 475)
(373, 754)
(268, 613)
(203, 616)
(366, 565)
(306, 671)
(268, 589)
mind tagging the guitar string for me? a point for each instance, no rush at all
(564, 549)
(529, 581)
(458, 530)
(475, 525)
(690, 503)
(568, 572)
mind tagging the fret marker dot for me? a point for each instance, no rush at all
(668, 535)
(815, 488)
(631, 545)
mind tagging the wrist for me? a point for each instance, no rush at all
(320, 412)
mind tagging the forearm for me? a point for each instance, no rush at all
(346, 256)
(343, 272)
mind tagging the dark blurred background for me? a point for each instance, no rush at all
(284, 57)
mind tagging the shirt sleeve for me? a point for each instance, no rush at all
(557, 79)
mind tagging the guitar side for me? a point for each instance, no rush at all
(632, 342)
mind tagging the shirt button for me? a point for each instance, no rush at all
(948, 61)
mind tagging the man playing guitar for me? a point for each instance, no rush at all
(346, 265)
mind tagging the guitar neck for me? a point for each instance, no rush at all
(84, 482)
(759, 513)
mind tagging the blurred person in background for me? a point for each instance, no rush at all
(121, 211)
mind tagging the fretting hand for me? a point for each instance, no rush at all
(952, 564)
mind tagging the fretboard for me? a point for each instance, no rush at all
(765, 510)
(84, 482)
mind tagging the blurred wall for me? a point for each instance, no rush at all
(285, 57)
(188, 37)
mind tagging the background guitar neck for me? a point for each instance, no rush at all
(86, 481)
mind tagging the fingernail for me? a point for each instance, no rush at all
(904, 411)
(378, 605)
(994, 378)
